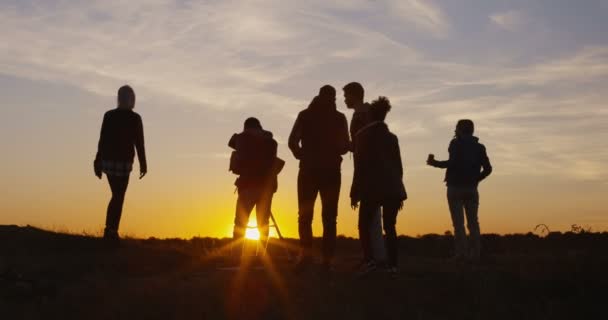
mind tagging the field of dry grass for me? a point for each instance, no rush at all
(46, 275)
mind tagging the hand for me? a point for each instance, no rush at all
(354, 203)
(430, 159)
(142, 173)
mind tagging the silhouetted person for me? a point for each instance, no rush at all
(121, 134)
(464, 172)
(378, 182)
(255, 152)
(318, 139)
(354, 99)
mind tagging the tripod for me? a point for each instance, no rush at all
(274, 225)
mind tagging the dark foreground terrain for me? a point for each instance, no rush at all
(45, 275)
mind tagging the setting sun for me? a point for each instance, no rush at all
(252, 233)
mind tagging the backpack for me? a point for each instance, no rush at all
(235, 163)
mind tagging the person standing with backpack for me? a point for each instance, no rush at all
(122, 133)
(253, 160)
(468, 164)
(318, 139)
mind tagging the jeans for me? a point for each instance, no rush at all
(377, 240)
(248, 198)
(367, 213)
(327, 184)
(118, 185)
(464, 201)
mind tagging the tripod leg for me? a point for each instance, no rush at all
(276, 227)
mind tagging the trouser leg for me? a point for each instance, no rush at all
(376, 238)
(262, 213)
(244, 204)
(330, 194)
(389, 217)
(471, 207)
(456, 204)
(366, 215)
(307, 194)
(118, 185)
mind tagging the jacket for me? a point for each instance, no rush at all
(378, 175)
(467, 159)
(359, 120)
(121, 134)
(319, 137)
(257, 152)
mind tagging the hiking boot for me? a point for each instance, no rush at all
(110, 234)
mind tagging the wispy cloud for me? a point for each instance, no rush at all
(510, 20)
(272, 55)
(423, 14)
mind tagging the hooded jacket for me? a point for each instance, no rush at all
(464, 166)
(319, 136)
(122, 132)
(378, 175)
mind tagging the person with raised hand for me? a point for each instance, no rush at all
(467, 165)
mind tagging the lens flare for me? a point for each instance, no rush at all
(252, 233)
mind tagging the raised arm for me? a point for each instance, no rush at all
(295, 137)
(441, 164)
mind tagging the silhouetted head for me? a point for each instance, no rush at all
(327, 93)
(126, 97)
(353, 94)
(464, 128)
(252, 123)
(379, 108)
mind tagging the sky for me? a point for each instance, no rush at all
(531, 74)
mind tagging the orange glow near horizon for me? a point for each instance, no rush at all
(252, 233)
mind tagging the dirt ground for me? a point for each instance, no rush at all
(46, 275)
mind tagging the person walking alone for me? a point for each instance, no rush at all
(121, 134)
